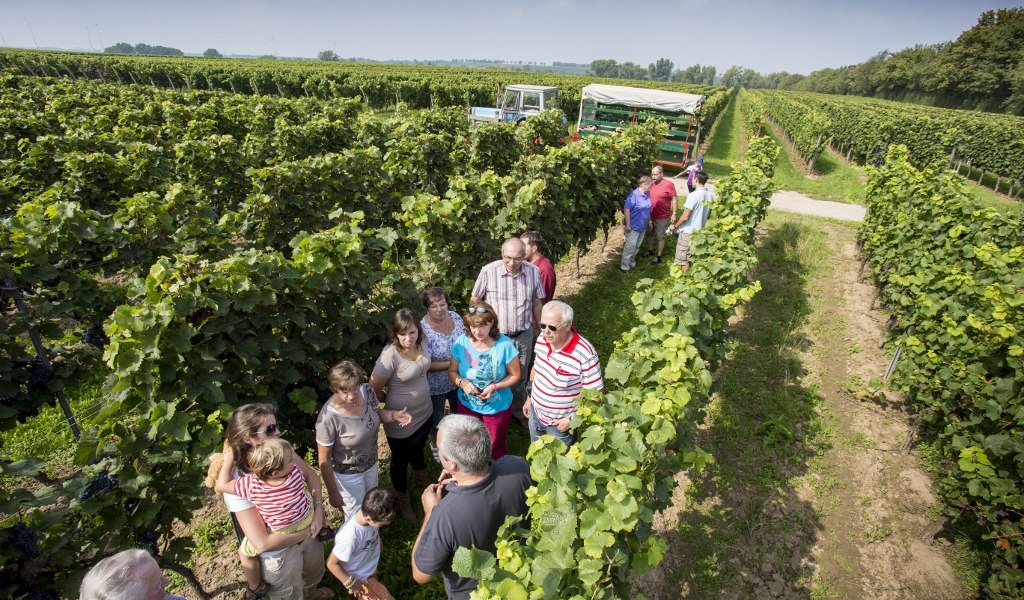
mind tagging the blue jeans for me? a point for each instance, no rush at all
(438, 403)
(538, 429)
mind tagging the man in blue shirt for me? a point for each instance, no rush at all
(636, 213)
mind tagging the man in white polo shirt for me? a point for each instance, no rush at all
(563, 364)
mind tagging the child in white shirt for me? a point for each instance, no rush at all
(353, 561)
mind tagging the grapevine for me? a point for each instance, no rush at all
(98, 485)
(25, 541)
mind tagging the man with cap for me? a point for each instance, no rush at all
(698, 165)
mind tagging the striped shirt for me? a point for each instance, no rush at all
(280, 505)
(510, 295)
(559, 375)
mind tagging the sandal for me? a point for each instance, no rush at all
(322, 594)
(255, 594)
(325, 533)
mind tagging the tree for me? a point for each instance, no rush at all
(1015, 103)
(660, 70)
(120, 48)
(212, 53)
(695, 74)
(980, 61)
(328, 55)
(631, 70)
(604, 67)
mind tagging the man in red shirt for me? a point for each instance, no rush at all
(534, 242)
(663, 207)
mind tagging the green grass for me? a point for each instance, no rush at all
(988, 198)
(47, 435)
(765, 430)
(724, 149)
(207, 534)
(835, 180)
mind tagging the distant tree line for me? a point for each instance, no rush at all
(125, 48)
(737, 77)
(983, 69)
(660, 70)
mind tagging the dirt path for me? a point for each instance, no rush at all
(791, 201)
(811, 494)
(796, 202)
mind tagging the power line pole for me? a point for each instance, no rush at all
(32, 33)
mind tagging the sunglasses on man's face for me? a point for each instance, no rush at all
(545, 326)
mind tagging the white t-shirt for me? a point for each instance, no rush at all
(358, 548)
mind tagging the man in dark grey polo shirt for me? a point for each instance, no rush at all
(480, 495)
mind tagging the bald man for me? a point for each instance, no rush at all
(513, 287)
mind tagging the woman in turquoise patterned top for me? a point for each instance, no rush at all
(484, 365)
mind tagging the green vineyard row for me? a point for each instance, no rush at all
(863, 128)
(952, 276)
(377, 84)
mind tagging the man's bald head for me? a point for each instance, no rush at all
(512, 253)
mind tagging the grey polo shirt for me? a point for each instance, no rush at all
(471, 516)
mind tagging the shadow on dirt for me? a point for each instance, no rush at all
(744, 531)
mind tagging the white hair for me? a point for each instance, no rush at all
(466, 443)
(116, 578)
(561, 307)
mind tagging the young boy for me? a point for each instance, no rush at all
(357, 545)
(278, 488)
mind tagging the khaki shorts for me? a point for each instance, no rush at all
(683, 249)
(660, 225)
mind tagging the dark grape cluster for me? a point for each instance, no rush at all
(25, 540)
(323, 395)
(148, 539)
(52, 282)
(94, 336)
(98, 485)
(38, 375)
(131, 504)
(38, 594)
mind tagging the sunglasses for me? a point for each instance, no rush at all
(544, 326)
(480, 310)
(271, 429)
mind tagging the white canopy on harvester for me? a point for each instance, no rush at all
(676, 102)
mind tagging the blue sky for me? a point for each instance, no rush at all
(765, 35)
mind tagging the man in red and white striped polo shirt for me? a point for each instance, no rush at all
(564, 363)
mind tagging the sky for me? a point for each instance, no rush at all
(798, 36)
